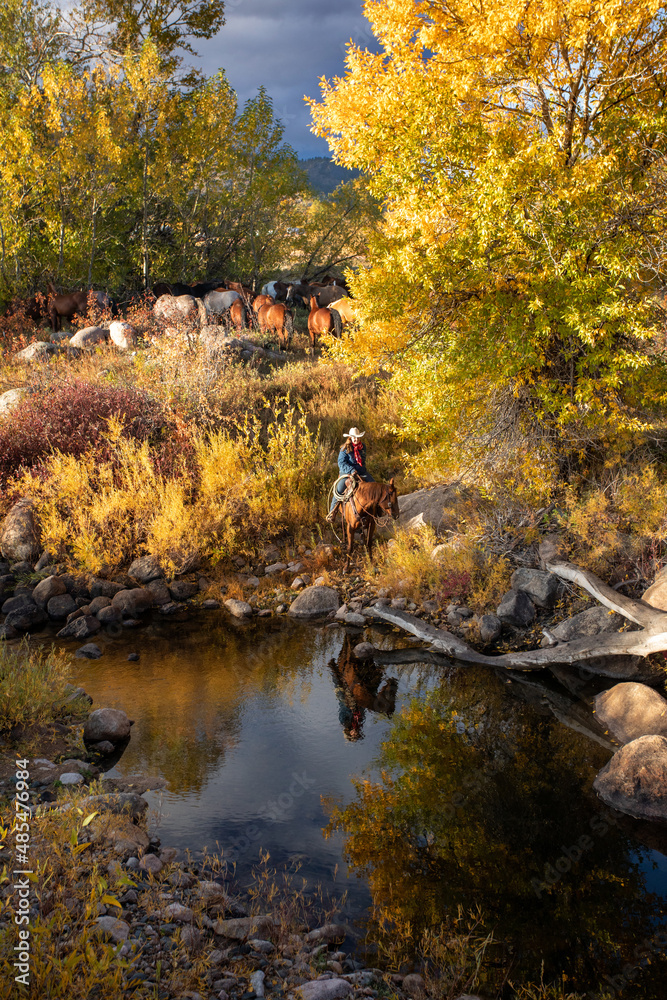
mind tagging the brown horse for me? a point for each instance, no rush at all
(279, 320)
(65, 306)
(370, 503)
(322, 321)
(237, 315)
(358, 690)
(262, 300)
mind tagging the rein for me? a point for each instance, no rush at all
(379, 520)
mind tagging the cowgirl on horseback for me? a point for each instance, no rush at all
(351, 462)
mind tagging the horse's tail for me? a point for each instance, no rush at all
(289, 326)
(337, 322)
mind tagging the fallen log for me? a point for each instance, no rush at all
(618, 655)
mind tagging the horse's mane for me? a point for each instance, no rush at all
(372, 492)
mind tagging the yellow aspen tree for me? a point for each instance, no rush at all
(519, 152)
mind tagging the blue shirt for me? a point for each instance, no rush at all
(347, 464)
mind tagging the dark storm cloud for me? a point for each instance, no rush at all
(286, 47)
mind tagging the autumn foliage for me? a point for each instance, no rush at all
(519, 151)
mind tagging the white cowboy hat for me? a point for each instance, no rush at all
(354, 432)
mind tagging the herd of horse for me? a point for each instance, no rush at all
(271, 310)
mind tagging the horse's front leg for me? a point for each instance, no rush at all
(369, 539)
(350, 529)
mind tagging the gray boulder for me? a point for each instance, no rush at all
(97, 604)
(159, 591)
(112, 928)
(315, 601)
(432, 507)
(19, 603)
(490, 627)
(145, 569)
(240, 609)
(26, 618)
(80, 628)
(631, 710)
(91, 336)
(635, 779)
(20, 538)
(176, 310)
(108, 615)
(61, 606)
(544, 589)
(104, 588)
(10, 400)
(593, 621)
(37, 351)
(516, 608)
(106, 724)
(324, 989)
(88, 652)
(133, 602)
(123, 335)
(180, 590)
(241, 928)
(51, 586)
(128, 803)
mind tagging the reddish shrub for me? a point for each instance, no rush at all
(454, 583)
(73, 418)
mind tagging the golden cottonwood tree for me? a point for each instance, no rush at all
(519, 150)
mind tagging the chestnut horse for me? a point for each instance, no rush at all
(237, 315)
(323, 321)
(277, 319)
(370, 503)
(65, 306)
(262, 300)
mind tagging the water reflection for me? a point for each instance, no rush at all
(465, 794)
(360, 687)
(481, 805)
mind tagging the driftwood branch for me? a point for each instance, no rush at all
(609, 654)
(637, 611)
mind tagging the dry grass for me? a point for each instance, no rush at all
(32, 682)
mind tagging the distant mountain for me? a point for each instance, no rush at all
(325, 175)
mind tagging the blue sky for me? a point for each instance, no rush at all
(286, 46)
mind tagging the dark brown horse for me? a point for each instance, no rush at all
(279, 320)
(65, 306)
(323, 321)
(371, 502)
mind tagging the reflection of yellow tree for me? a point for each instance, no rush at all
(189, 703)
(475, 810)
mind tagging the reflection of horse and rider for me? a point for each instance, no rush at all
(358, 691)
(363, 503)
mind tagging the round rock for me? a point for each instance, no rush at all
(106, 724)
(315, 601)
(19, 540)
(88, 652)
(635, 779)
(631, 710)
